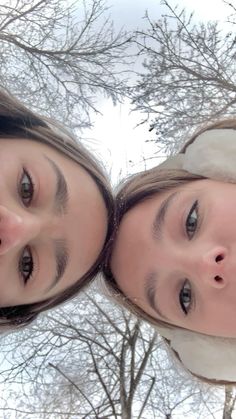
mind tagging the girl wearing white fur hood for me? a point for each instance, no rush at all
(172, 260)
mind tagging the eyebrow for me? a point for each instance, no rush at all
(160, 217)
(61, 257)
(61, 196)
(157, 232)
(150, 292)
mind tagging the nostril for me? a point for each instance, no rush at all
(219, 258)
(218, 278)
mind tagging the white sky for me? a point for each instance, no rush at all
(115, 136)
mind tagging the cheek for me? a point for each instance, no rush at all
(226, 219)
(220, 217)
(219, 318)
(8, 170)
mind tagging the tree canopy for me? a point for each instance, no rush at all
(189, 75)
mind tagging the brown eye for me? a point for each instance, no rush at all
(26, 264)
(26, 189)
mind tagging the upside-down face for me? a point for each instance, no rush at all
(53, 222)
(175, 257)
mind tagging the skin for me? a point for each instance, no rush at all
(187, 254)
(35, 227)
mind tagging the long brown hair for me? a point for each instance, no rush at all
(133, 191)
(18, 122)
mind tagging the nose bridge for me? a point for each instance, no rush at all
(17, 228)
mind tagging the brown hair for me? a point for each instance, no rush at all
(136, 189)
(18, 122)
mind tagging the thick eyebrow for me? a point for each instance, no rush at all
(157, 232)
(60, 207)
(62, 258)
(61, 196)
(159, 220)
(150, 293)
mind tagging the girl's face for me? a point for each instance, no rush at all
(175, 257)
(53, 222)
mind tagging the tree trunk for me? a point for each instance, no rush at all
(229, 403)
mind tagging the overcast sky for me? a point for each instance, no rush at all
(115, 135)
(129, 13)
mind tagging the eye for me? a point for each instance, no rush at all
(26, 264)
(192, 221)
(185, 297)
(26, 188)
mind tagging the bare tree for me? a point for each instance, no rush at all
(229, 404)
(92, 360)
(189, 74)
(59, 56)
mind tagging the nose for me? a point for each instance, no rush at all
(214, 267)
(16, 230)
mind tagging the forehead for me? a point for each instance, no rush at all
(133, 250)
(132, 238)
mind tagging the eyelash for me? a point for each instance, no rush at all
(185, 286)
(191, 226)
(31, 183)
(26, 261)
(194, 223)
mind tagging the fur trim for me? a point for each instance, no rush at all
(207, 356)
(213, 154)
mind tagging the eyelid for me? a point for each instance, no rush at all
(35, 182)
(195, 207)
(35, 262)
(183, 285)
(193, 300)
(35, 265)
(32, 179)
